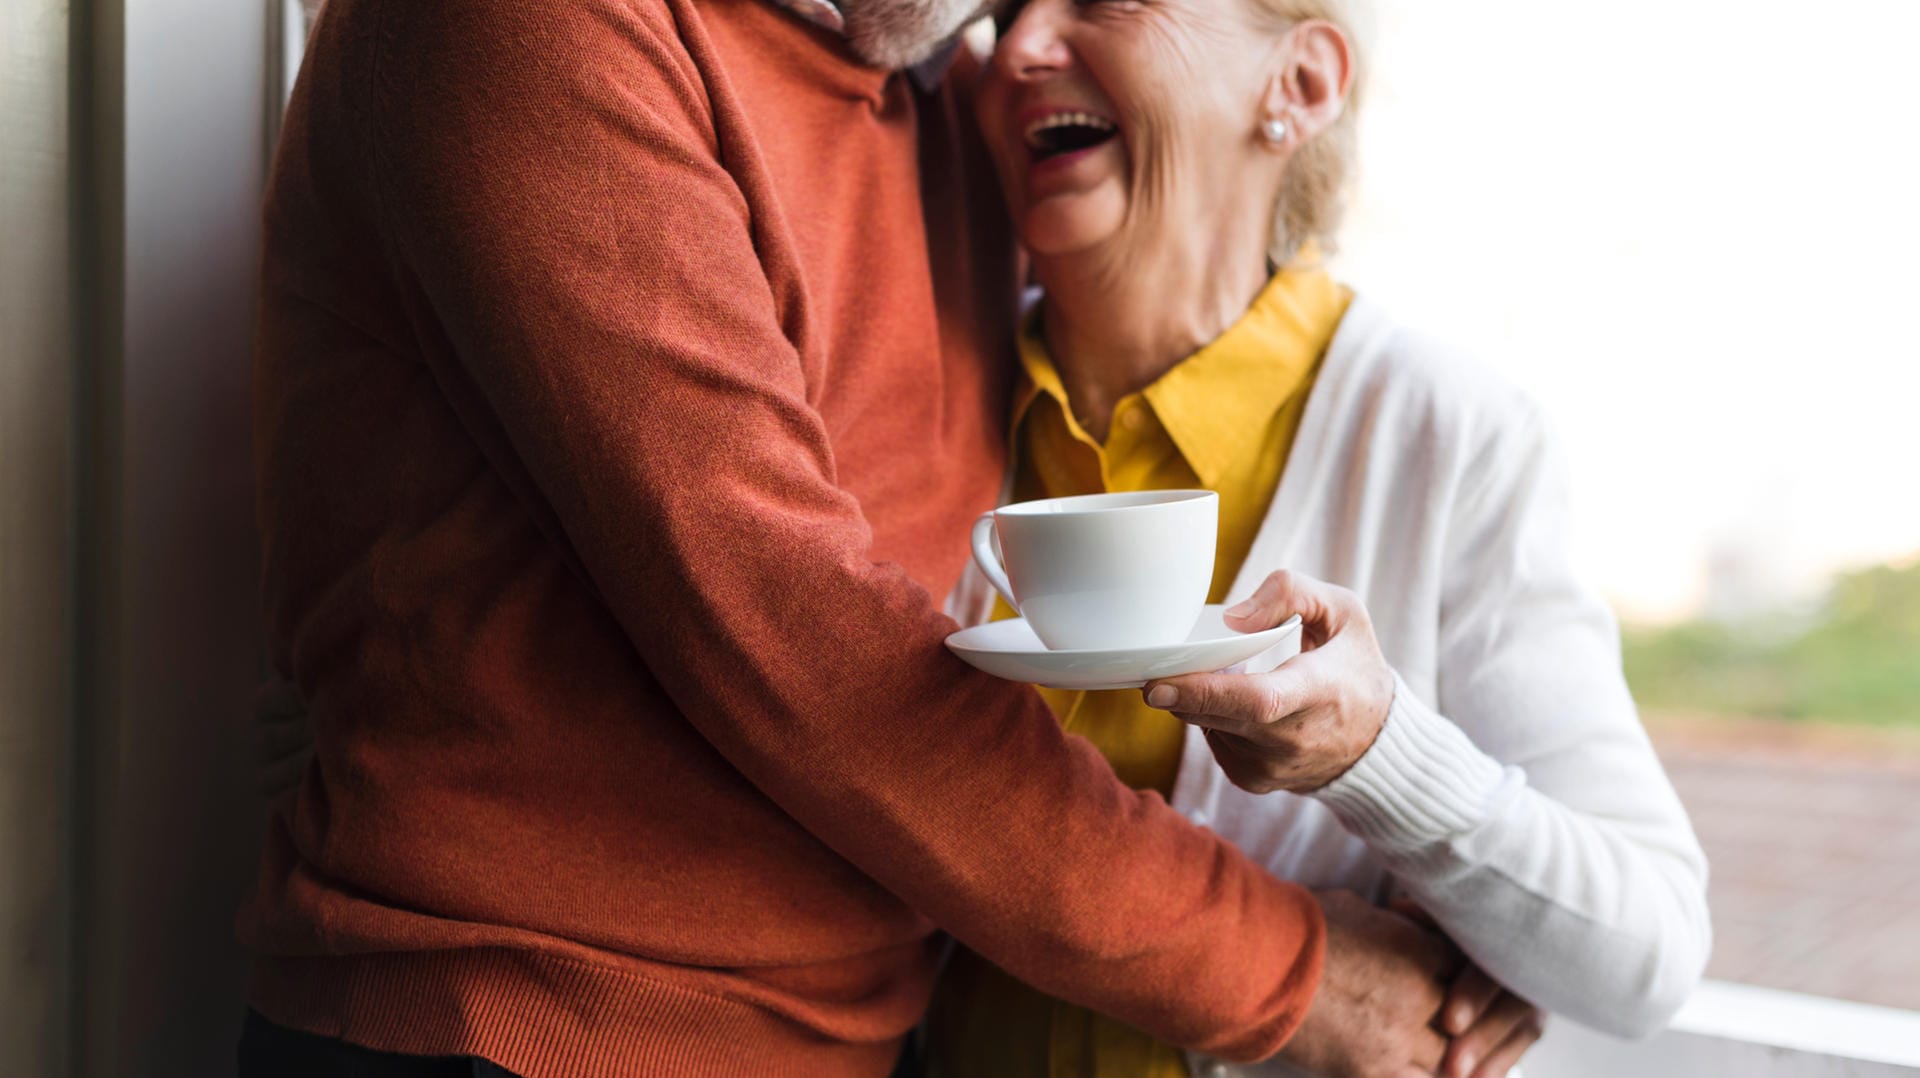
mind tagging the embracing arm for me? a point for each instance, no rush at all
(586, 282)
(1527, 813)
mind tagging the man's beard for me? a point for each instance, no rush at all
(900, 33)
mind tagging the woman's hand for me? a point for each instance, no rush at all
(1303, 724)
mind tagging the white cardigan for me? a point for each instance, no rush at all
(1512, 792)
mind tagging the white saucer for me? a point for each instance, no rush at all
(1009, 649)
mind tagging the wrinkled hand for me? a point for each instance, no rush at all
(1303, 724)
(1490, 1027)
(1376, 1013)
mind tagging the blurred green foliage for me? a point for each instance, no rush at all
(1856, 658)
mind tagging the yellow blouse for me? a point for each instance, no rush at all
(1223, 419)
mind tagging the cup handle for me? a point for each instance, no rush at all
(987, 557)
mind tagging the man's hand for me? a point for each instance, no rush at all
(1302, 725)
(1490, 1027)
(1376, 1014)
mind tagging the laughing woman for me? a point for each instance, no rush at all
(1458, 731)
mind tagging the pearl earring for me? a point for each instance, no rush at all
(1275, 130)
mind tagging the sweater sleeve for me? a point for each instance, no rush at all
(557, 194)
(1527, 812)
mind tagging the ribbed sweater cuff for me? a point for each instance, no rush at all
(1422, 782)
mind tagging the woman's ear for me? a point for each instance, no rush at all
(1309, 90)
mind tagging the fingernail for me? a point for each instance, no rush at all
(1461, 1016)
(1240, 609)
(1162, 697)
(1466, 1063)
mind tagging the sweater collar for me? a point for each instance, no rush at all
(928, 74)
(822, 13)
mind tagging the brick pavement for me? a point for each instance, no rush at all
(1814, 838)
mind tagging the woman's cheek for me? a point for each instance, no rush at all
(1153, 144)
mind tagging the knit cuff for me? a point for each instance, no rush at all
(1422, 782)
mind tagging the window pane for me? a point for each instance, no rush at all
(1688, 228)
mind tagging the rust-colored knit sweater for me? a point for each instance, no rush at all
(618, 406)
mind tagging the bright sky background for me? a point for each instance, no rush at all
(1691, 228)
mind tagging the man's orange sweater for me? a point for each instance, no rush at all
(629, 371)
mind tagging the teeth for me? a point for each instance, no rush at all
(1066, 119)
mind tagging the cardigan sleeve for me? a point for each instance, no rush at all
(570, 224)
(1525, 809)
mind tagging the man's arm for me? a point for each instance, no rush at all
(551, 177)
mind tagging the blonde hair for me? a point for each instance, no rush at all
(1313, 194)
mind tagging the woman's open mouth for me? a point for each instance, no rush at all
(1061, 134)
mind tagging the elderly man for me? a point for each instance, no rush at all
(628, 373)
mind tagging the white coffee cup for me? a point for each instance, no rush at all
(1103, 571)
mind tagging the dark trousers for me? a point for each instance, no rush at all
(271, 1051)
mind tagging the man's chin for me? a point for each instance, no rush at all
(895, 34)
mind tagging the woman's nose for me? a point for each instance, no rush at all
(1033, 46)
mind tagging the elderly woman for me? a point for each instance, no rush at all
(1457, 732)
